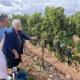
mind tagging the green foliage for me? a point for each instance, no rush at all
(78, 46)
(53, 23)
(34, 24)
(76, 56)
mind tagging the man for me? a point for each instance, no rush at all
(3, 24)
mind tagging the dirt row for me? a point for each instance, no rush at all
(63, 68)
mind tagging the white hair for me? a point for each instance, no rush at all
(16, 21)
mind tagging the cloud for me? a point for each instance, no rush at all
(31, 6)
(12, 6)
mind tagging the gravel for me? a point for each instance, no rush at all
(53, 74)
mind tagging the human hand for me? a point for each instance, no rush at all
(34, 38)
(16, 54)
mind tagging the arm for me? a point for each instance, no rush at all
(24, 36)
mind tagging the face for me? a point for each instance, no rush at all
(18, 26)
(4, 22)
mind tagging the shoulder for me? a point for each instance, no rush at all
(8, 30)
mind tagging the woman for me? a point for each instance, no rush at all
(16, 24)
(13, 44)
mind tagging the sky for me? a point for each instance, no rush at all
(31, 6)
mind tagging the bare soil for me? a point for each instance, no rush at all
(53, 69)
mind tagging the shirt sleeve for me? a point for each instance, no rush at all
(24, 36)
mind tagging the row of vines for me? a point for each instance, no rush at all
(53, 28)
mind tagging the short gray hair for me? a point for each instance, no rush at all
(16, 21)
